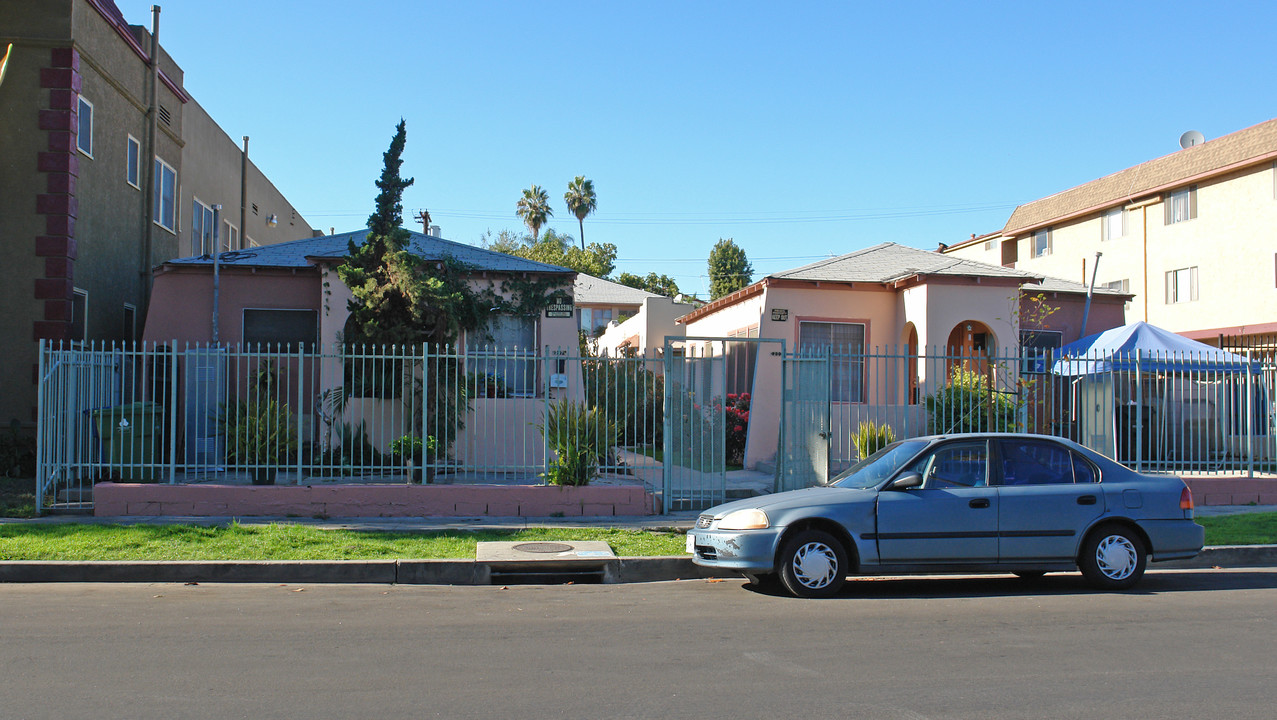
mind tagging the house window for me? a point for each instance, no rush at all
(1123, 286)
(130, 322)
(232, 237)
(79, 328)
(988, 244)
(283, 329)
(1042, 242)
(742, 359)
(595, 320)
(506, 355)
(845, 344)
(202, 224)
(84, 133)
(134, 163)
(1114, 224)
(1181, 285)
(165, 192)
(1181, 205)
(1010, 252)
(1037, 347)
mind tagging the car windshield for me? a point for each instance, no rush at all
(878, 467)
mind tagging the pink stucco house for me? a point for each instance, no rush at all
(888, 299)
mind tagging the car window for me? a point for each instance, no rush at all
(960, 464)
(1083, 471)
(1035, 462)
(879, 466)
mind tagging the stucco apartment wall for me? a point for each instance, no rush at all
(72, 223)
(1232, 242)
(212, 163)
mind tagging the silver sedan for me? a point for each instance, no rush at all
(1019, 503)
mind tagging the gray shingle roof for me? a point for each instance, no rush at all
(1054, 284)
(889, 261)
(595, 290)
(302, 253)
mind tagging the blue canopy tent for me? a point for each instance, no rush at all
(1145, 394)
(1147, 348)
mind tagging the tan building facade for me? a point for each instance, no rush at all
(108, 167)
(1192, 235)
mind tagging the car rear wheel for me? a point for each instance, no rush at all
(813, 564)
(1113, 558)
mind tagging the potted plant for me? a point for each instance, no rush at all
(409, 451)
(260, 436)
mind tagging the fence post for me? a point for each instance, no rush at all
(301, 404)
(172, 402)
(41, 427)
(1250, 423)
(1139, 414)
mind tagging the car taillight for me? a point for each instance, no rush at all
(1186, 499)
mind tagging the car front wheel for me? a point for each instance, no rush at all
(1113, 558)
(813, 564)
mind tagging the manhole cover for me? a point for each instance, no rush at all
(542, 547)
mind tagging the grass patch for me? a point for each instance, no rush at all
(293, 542)
(1242, 529)
(17, 497)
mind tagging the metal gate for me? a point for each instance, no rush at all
(803, 451)
(695, 460)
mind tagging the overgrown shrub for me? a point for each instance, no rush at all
(628, 395)
(870, 437)
(963, 405)
(260, 435)
(579, 437)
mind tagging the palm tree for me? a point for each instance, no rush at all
(581, 201)
(534, 208)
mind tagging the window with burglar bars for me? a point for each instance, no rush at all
(844, 342)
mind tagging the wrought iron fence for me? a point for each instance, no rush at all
(1199, 413)
(170, 413)
(197, 413)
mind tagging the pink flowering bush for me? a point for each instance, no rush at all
(736, 410)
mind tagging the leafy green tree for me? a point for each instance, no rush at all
(653, 283)
(534, 208)
(581, 201)
(556, 249)
(729, 269)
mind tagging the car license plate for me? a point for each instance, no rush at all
(691, 543)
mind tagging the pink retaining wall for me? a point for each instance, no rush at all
(111, 499)
(1233, 490)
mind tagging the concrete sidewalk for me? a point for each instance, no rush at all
(450, 572)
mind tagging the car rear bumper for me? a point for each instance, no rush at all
(1174, 539)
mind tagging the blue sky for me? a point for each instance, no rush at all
(801, 130)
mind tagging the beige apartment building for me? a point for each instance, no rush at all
(1192, 235)
(108, 168)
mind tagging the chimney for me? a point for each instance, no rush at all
(435, 231)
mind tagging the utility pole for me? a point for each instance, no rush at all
(423, 217)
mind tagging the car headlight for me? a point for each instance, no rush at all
(751, 519)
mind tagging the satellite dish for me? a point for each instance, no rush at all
(1191, 138)
(678, 298)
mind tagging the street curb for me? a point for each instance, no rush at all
(444, 572)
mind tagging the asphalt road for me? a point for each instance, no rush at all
(1189, 643)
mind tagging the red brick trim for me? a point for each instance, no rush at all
(59, 205)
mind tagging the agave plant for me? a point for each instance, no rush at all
(579, 437)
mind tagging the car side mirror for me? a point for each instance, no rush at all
(906, 482)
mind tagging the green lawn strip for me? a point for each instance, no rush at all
(1242, 529)
(292, 542)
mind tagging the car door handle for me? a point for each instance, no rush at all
(979, 503)
(1086, 500)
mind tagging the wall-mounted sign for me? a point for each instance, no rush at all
(780, 314)
(560, 307)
